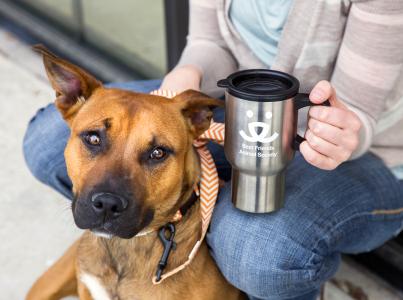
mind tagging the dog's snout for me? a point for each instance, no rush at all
(112, 207)
(108, 204)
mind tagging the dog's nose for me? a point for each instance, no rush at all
(108, 203)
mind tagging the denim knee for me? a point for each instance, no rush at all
(262, 258)
(43, 147)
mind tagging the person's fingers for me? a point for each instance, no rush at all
(317, 159)
(333, 134)
(330, 150)
(338, 117)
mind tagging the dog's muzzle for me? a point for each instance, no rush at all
(110, 214)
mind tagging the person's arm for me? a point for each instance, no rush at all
(366, 73)
(206, 58)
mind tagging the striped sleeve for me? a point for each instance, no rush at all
(370, 62)
(206, 49)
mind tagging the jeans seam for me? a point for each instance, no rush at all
(384, 212)
(330, 233)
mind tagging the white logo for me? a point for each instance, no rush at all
(253, 126)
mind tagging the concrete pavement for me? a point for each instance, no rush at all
(36, 222)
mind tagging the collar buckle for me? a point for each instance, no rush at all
(166, 235)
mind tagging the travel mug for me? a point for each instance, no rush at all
(261, 135)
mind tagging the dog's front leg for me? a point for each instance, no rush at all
(59, 280)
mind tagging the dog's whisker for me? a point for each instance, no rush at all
(81, 99)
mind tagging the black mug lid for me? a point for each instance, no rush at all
(261, 85)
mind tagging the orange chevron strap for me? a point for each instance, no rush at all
(209, 185)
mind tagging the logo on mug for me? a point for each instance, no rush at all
(253, 126)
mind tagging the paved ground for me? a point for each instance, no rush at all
(36, 222)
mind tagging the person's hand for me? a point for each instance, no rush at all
(182, 78)
(333, 132)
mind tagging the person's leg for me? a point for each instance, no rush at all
(290, 253)
(46, 138)
(43, 146)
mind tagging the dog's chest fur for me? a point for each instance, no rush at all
(123, 269)
(116, 269)
(95, 287)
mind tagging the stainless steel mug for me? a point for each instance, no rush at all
(261, 135)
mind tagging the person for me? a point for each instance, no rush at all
(341, 193)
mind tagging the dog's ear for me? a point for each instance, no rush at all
(72, 85)
(197, 108)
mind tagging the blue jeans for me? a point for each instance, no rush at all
(287, 254)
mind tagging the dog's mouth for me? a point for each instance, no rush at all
(112, 228)
(102, 233)
(124, 226)
(108, 231)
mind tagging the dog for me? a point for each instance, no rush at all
(133, 167)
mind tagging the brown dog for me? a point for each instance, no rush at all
(131, 160)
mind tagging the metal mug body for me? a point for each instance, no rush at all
(258, 144)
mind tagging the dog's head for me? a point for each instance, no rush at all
(130, 156)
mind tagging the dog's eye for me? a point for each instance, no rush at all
(92, 138)
(157, 153)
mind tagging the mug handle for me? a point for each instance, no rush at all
(301, 100)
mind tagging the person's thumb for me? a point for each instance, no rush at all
(323, 91)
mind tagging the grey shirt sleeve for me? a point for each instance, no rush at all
(206, 49)
(369, 61)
